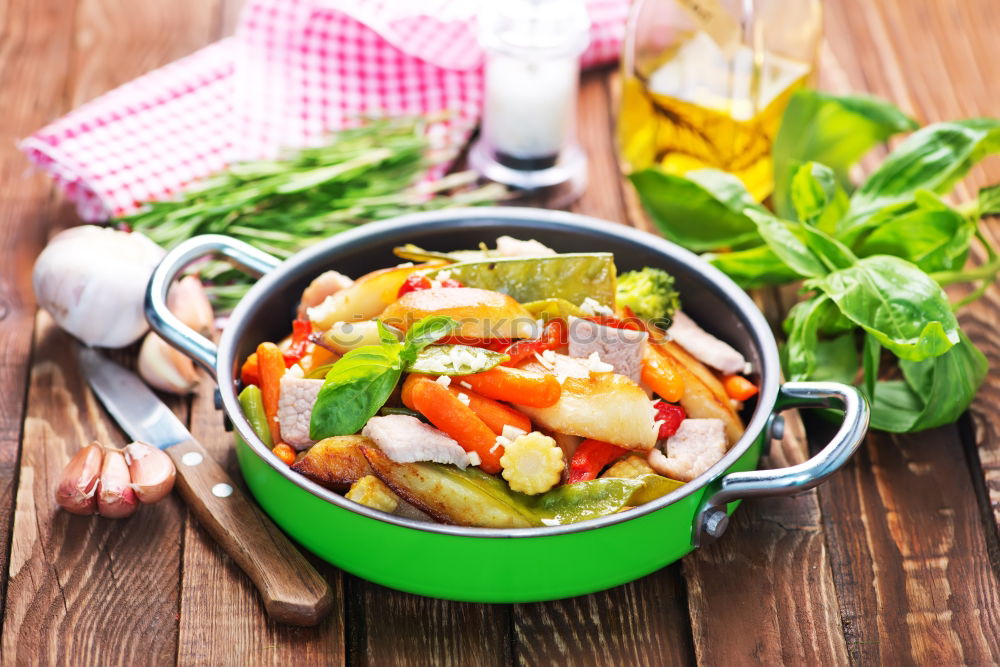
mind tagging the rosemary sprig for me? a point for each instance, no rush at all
(362, 174)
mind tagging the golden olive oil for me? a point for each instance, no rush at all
(697, 106)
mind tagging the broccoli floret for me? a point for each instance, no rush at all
(650, 294)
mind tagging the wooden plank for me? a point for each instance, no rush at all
(35, 43)
(909, 555)
(387, 627)
(641, 623)
(221, 618)
(764, 592)
(83, 590)
(595, 131)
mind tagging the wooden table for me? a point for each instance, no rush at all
(895, 560)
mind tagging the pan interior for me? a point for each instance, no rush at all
(709, 298)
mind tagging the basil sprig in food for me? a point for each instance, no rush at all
(873, 258)
(361, 381)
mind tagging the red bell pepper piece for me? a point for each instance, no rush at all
(300, 342)
(671, 415)
(414, 283)
(590, 458)
(554, 335)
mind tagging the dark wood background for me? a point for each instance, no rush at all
(895, 560)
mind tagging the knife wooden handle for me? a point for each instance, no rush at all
(292, 590)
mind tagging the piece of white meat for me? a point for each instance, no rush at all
(622, 348)
(295, 404)
(325, 284)
(705, 347)
(406, 439)
(508, 246)
(696, 446)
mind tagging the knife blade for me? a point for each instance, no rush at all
(291, 589)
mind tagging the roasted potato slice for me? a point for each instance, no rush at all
(482, 313)
(366, 298)
(448, 494)
(336, 462)
(372, 492)
(603, 406)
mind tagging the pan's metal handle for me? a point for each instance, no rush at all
(165, 323)
(712, 517)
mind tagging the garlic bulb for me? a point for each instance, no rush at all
(92, 280)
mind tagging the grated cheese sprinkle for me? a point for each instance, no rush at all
(592, 307)
(443, 380)
(511, 433)
(464, 398)
(596, 365)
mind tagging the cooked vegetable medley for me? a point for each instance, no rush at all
(502, 388)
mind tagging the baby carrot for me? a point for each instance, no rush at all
(406, 394)
(658, 374)
(446, 412)
(738, 387)
(249, 373)
(271, 366)
(494, 414)
(285, 453)
(516, 386)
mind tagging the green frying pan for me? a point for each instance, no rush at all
(504, 565)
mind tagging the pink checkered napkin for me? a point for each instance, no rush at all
(294, 70)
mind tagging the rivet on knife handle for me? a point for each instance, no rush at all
(292, 590)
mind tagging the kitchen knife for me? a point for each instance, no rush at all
(292, 590)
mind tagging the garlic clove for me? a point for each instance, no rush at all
(165, 367)
(77, 490)
(152, 472)
(188, 300)
(115, 497)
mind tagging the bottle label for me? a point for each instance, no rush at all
(717, 23)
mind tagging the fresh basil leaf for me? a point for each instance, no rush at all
(934, 240)
(989, 200)
(896, 302)
(802, 327)
(836, 359)
(933, 158)
(788, 247)
(834, 254)
(358, 384)
(935, 392)
(896, 407)
(455, 360)
(817, 197)
(833, 130)
(385, 335)
(753, 267)
(426, 331)
(871, 354)
(694, 215)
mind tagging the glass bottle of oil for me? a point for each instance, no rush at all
(705, 82)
